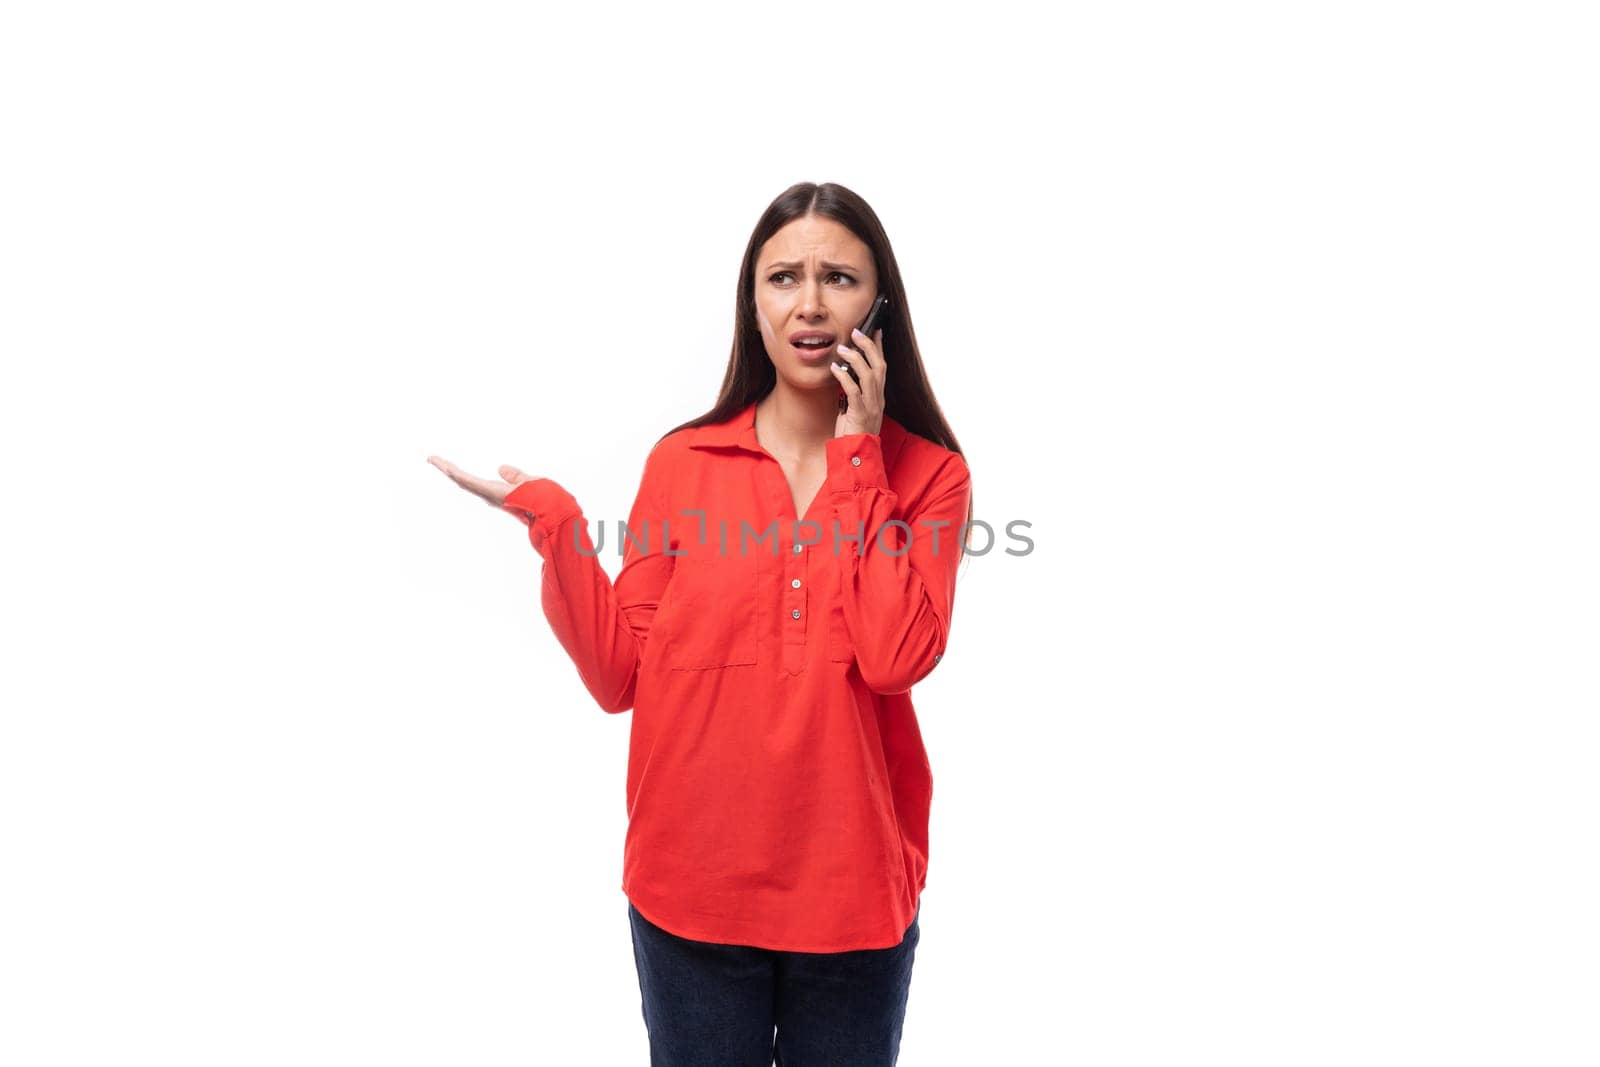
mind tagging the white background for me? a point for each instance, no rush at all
(1275, 321)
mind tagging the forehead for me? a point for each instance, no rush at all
(815, 237)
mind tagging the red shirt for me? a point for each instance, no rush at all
(778, 789)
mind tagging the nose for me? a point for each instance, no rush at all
(811, 299)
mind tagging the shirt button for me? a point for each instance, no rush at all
(855, 461)
(797, 550)
(795, 613)
(937, 656)
(795, 582)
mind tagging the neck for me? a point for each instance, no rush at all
(795, 423)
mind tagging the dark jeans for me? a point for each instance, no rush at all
(711, 1005)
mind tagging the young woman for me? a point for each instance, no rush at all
(788, 574)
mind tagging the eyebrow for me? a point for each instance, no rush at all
(791, 265)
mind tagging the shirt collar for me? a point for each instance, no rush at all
(740, 432)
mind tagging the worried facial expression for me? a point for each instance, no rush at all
(814, 282)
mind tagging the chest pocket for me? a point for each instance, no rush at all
(711, 613)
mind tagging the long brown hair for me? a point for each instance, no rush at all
(750, 375)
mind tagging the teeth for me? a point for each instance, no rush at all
(812, 342)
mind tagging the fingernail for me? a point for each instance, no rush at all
(842, 348)
(856, 333)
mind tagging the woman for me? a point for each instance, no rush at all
(788, 573)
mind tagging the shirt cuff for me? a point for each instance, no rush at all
(855, 461)
(544, 506)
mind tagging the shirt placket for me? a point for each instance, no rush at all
(796, 566)
(797, 598)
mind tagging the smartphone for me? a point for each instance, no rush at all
(873, 320)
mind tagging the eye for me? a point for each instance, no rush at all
(842, 274)
(774, 278)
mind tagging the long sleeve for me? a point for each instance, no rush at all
(602, 625)
(897, 607)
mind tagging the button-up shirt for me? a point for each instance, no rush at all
(778, 789)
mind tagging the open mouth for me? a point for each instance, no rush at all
(813, 347)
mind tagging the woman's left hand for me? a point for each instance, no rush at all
(865, 411)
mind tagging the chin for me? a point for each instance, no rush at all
(810, 379)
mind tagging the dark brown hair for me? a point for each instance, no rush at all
(908, 398)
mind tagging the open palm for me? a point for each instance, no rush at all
(491, 491)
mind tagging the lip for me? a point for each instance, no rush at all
(813, 354)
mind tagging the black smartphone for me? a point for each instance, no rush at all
(873, 320)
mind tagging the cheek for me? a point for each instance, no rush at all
(766, 312)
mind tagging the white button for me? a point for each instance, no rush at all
(795, 613)
(795, 582)
(855, 461)
(797, 550)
